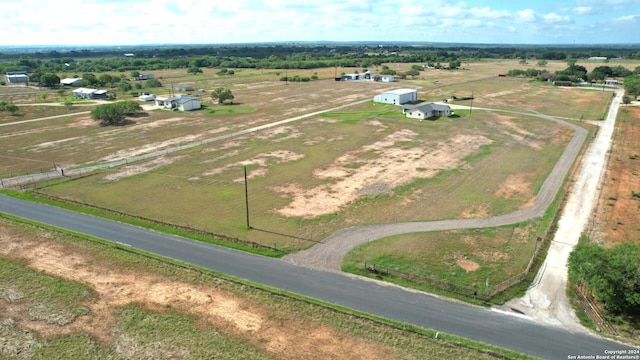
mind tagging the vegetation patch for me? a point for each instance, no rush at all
(473, 259)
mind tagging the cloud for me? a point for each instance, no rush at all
(627, 18)
(527, 15)
(583, 10)
(553, 18)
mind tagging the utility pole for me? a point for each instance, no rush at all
(246, 197)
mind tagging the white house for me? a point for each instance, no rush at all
(426, 111)
(145, 77)
(179, 102)
(611, 82)
(387, 78)
(84, 93)
(70, 82)
(14, 77)
(397, 97)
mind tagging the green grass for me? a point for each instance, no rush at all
(499, 253)
(171, 330)
(48, 298)
(151, 334)
(215, 203)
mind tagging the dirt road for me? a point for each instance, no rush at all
(547, 301)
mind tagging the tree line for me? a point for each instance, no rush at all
(276, 56)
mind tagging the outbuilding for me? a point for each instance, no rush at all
(426, 111)
(397, 97)
(70, 82)
(16, 77)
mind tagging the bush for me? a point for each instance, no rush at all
(612, 274)
(114, 114)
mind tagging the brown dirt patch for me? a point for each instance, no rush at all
(466, 264)
(141, 168)
(358, 173)
(261, 160)
(616, 216)
(291, 338)
(516, 185)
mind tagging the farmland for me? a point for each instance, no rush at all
(351, 162)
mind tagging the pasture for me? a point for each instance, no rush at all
(362, 164)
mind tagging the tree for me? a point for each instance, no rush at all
(194, 70)
(114, 114)
(106, 79)
(222, 95)
(11, 107)
(50, 80)
(612, 274)
(68, 104)
(135, 74)
(542, 63)
(413, 73)
(124, 86)
(454, 64)
(522, 62)
(152, 83)
(626, 100)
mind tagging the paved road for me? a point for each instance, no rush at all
(393, 302)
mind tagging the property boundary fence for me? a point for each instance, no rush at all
(221, 237)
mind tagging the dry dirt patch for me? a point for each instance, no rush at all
(616, 216)
(358, 173)
(291, 338)
(141, 168)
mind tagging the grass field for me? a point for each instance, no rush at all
(364, 164)
(318, 175)
(126, 306)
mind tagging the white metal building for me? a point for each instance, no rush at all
(397, 97)
(70, 82)
(13, 77)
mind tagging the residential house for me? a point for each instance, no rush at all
(179, 102)
(426, 111)
(145, 77)
(84, 93)
(397, 97)
(16, 77)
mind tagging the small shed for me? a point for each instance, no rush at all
(397, 97)
(426, 111)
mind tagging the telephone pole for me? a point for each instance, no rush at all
(246, 197)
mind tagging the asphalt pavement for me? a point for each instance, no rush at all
(510, 331)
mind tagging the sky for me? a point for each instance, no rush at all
(137, 22)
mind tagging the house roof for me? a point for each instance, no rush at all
(67, 81)
(400, 91)
(426, 108)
